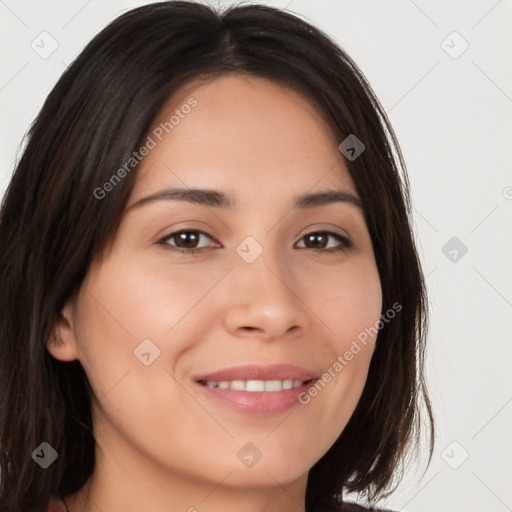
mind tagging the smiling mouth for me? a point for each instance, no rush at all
(257, 389)
(255, 386)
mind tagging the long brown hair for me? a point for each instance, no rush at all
(52, 226)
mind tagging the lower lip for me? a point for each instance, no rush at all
(259, 403)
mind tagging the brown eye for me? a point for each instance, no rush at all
(322, 240)
(186, 241)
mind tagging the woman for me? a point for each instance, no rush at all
(211, 297)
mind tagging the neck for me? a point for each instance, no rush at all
(125, 486)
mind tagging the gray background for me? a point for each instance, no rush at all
(451, 108)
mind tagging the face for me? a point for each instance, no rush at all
(195, 325)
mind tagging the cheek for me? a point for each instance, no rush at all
(134, 300)
(348, 299)
(132, 309)
(349, 302)
(119, 311)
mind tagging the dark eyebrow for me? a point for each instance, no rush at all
(323, 198)
(218, 199)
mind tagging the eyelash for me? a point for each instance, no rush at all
(345, 243)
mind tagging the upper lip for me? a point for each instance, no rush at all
(259, 372)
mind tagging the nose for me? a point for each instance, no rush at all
(264, 300)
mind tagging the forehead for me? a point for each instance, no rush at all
(242, 133)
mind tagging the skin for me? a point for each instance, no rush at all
(161, 443)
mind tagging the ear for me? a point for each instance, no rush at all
(62, 343)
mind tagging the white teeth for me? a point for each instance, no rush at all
(287, 384)
(273, 385)
(255, 385)
(239, 385)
